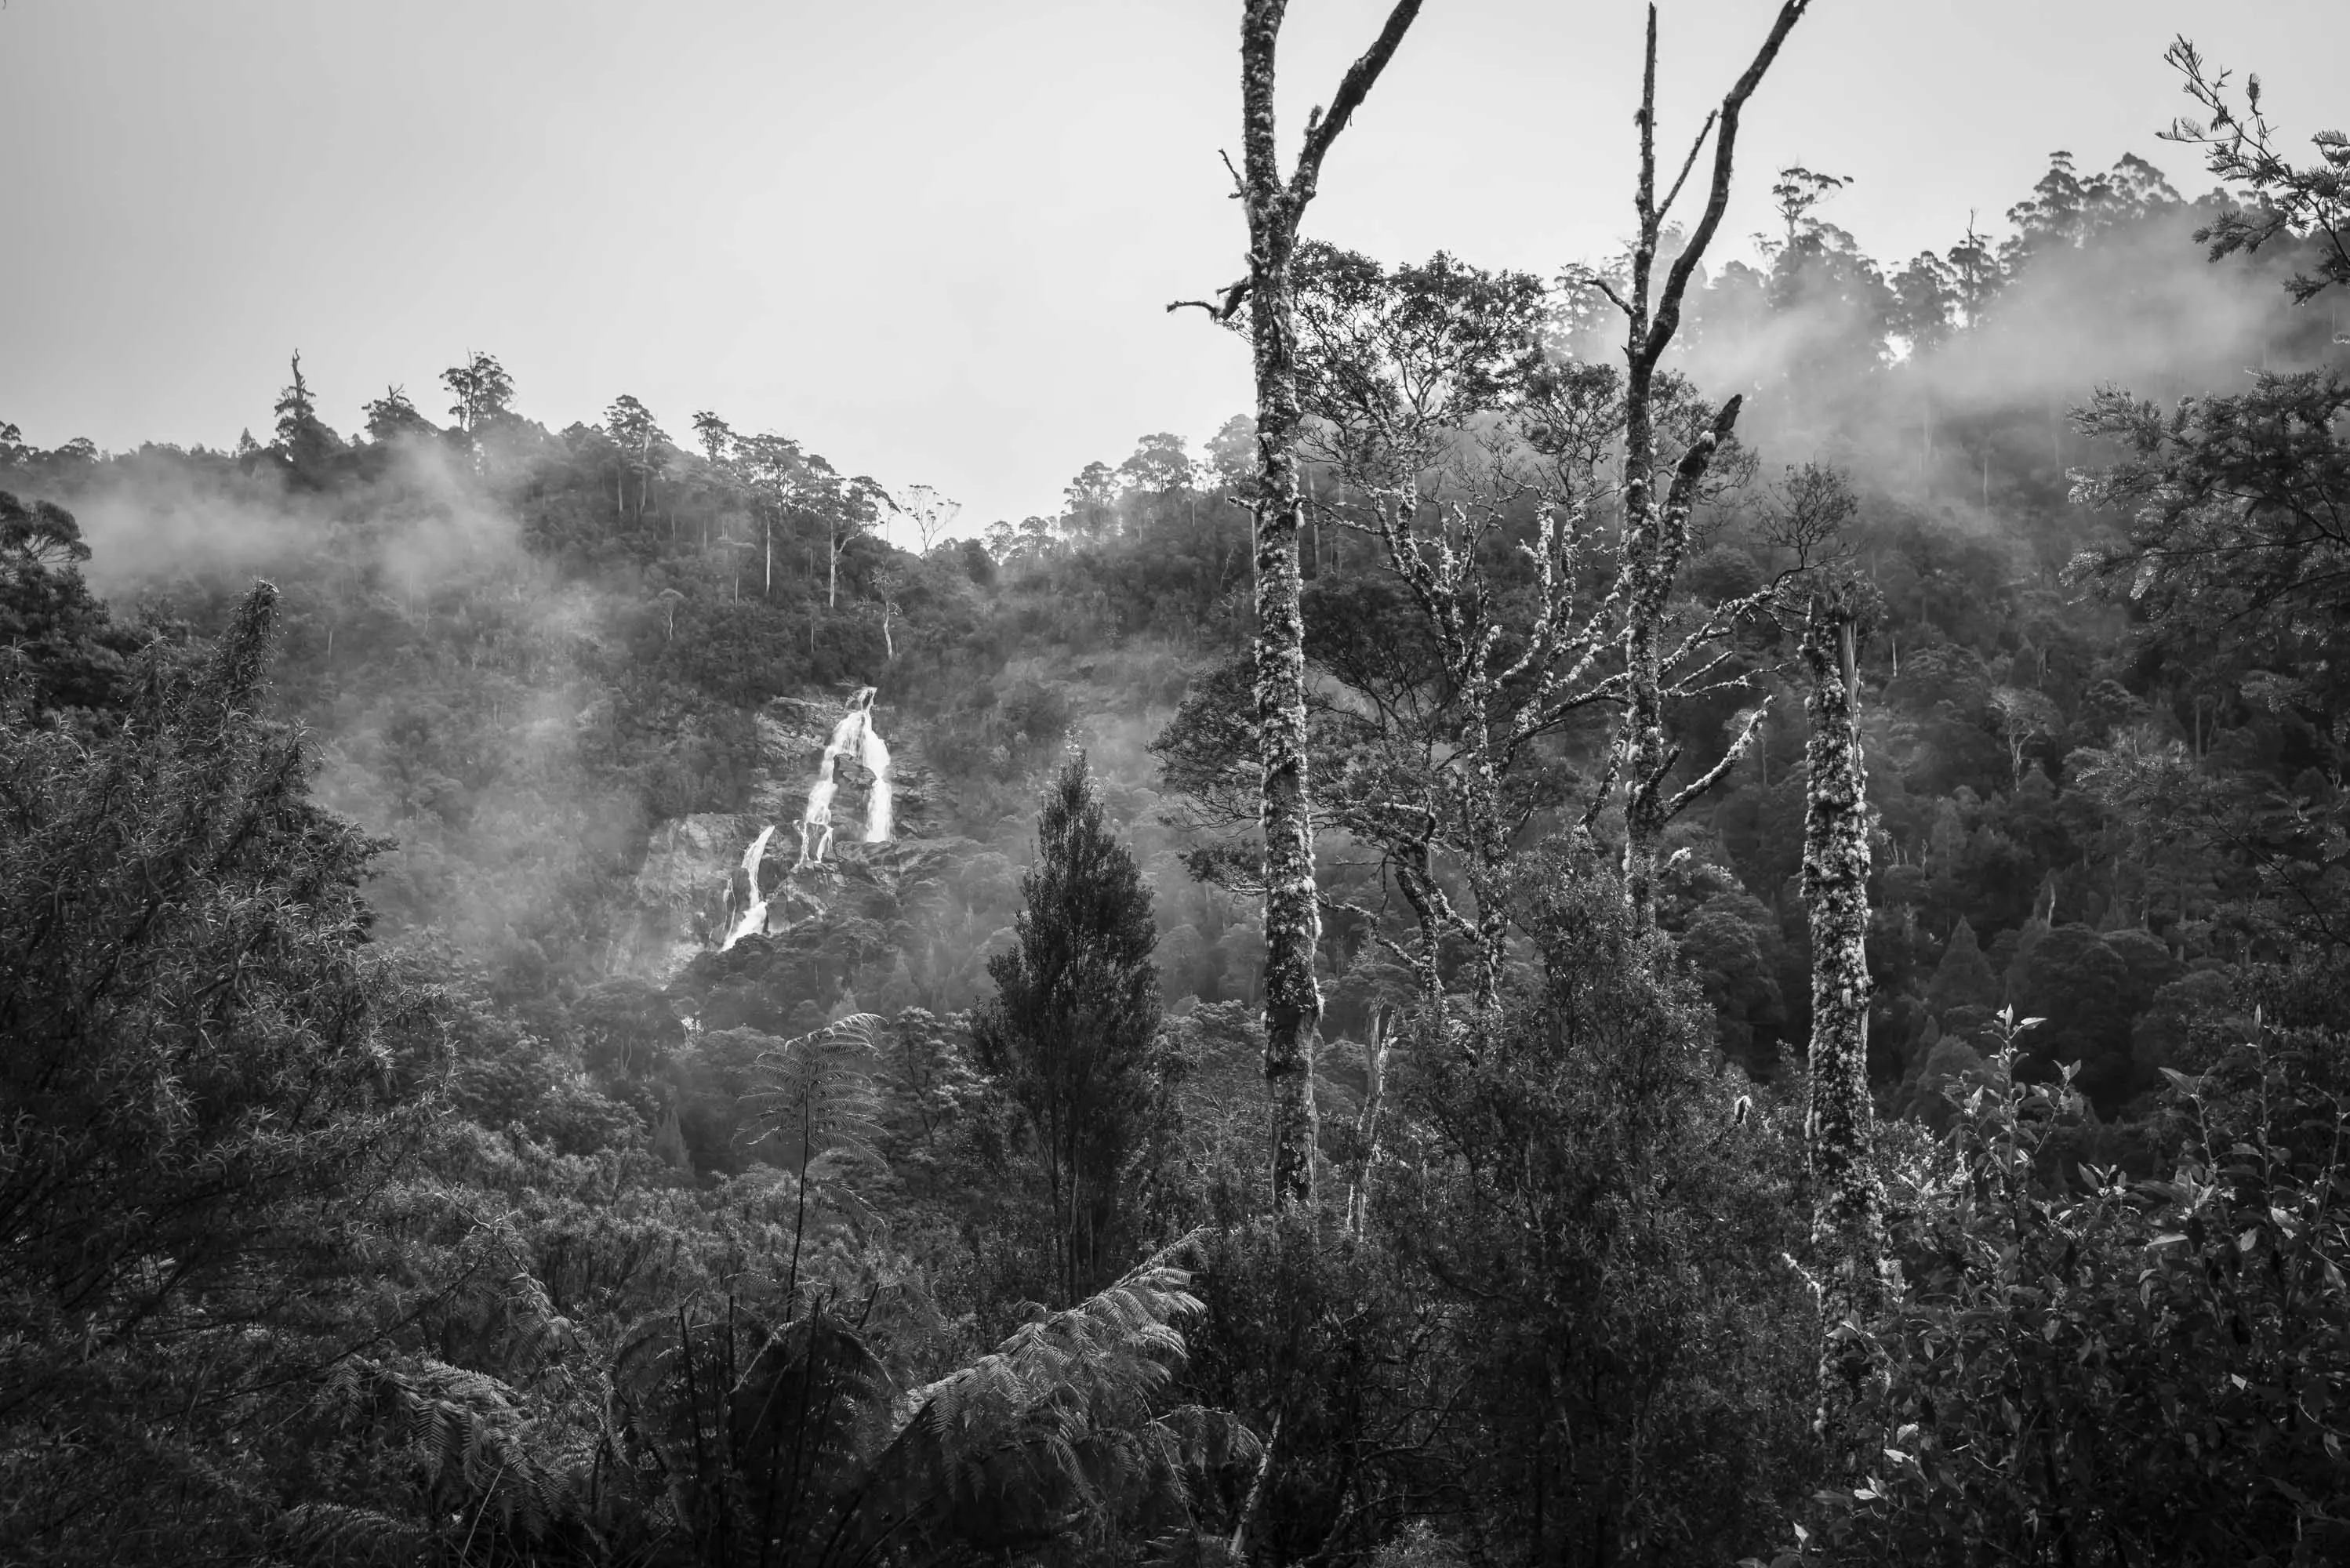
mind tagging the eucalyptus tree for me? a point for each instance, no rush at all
(1091, 499)
(717, 437)
(848, 510)
(636, 433)
(483, 390)
(1416, 384)
(775, 467)
(392, 416)
(931, 512)
(1833, 607)
(1471, 662)
(1657, 529)
(1274, 202)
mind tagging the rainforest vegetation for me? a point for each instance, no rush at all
(1764, 976)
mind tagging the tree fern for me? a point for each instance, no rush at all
(480, 1470)
(1053, 1435)
(815, 1092)
(749, 1435)
(785, 1444)
(816, 1095)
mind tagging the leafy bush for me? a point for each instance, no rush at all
(2091, 1370)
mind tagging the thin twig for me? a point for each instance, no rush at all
(1689, 163)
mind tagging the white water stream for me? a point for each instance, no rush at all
(852, 738)
(754, 914)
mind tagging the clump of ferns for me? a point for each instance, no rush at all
(487, 1470)
(772, 1442)
(768, 1426)
(761, 1421)
(1056, 1436)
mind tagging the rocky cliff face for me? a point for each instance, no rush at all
(691, 880)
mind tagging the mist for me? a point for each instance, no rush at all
(2113, 291)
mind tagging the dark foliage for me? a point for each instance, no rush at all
(392, 1170)
(1067, 1035)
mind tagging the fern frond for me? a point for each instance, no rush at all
(337, 1532)
(1052, 1434)
(815, 1092)
(472, 1443)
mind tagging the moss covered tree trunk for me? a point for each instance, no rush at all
(1293, 926)
(1293, 1009)
(1656, 539)
(1847, 1224)
(1656, 529)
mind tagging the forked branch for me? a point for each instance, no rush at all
(1322, 130)
(1717, 202)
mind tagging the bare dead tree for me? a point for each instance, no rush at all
(1426, 427)
(889, 582)
(929, 510)
(1511, 680)
(1274, 204)
(1481, 463)
(1656, 534)
(1366, 1121)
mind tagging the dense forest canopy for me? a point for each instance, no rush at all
(410, 1151)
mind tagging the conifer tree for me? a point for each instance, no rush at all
(1067, 1034)
(1964, 978)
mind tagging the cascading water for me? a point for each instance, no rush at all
(878, 801)
(852, 738)
(750, 901)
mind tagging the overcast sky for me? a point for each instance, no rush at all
(931, 238)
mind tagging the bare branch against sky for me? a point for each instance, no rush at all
(858, 224)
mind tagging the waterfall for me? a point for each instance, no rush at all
(816, 821)
(854, 738)
(753, 918)
(875, 755)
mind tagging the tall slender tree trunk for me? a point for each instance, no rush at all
(1848, 1221)
(1656, 538)
(1489, 847)
(1293, 925)
(1656, 529)
(1367, 1122)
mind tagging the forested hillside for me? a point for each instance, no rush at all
(409, 1152)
